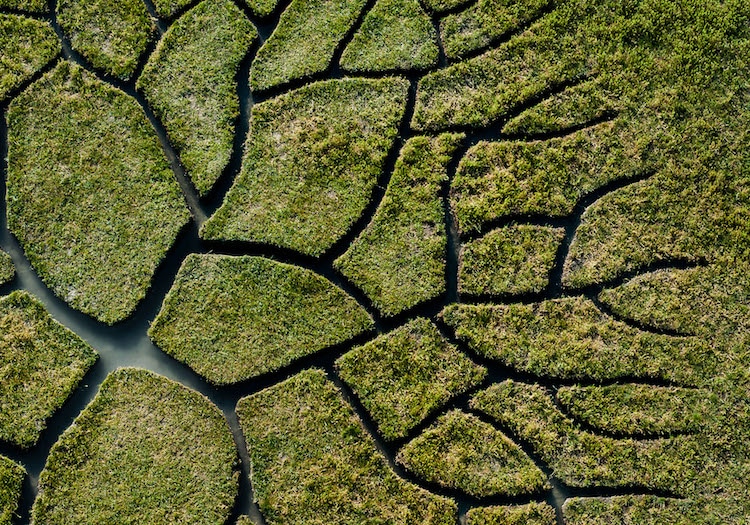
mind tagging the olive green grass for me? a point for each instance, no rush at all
(396, 35)
(7, 269)
(509, 261)
(169, 8)
(632, 510)
(312, 462)
(233, 318)
(441, 6)
(91, 197)
(404, 376)
(262, 8)
(304, 41)
(41, 363)
(245, 520)
(399, 259)
(28, 45)
(11, 481)
(29, 6)
(529, 514)
(189, 82)
(571, 339)
(111, 34)
(462, 452)
(311, 162)
(145, 450)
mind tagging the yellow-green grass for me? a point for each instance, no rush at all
(7, 269)
(41, 363)
(145, 450)
(529, 514)
(508, 261)
(168, 8)
(31, 6)
(111, 34)
(233, 318)
(312, 159)
(261, 8)
(11, 479)
(633, 510)
(462, 452)
(404, 376)
(304, 41)
(312, 462)
(571, 339)
(396, 35)
(399, 259)
(28, 45)
(91, 197)
(189, 82)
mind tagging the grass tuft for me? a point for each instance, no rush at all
(11, 481)
(530, 514)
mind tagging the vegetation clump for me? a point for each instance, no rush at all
(312, 461)
(169, 8)
(631, 510)
(7, 269)
(11, 480)
(530, 514)
(30, 6)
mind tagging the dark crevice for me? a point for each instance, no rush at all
(159, 24)
(244, 503)
(4, 102)
(606, 310)
(335, 64)
(607, 116)
(514, 220)
(453, 241)
(45, 17)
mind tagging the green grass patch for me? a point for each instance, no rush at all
(145, 450)
(189, 82)
(572, 339)
(28, 45)
(111, 34)
(530, 514)
(399, 259)
(11, 481)
(41, 363)
(462, 452)
(441, 6)
(262, 8)
(91, 197)
(31, 6)
(312, 461)
(168, 8)
(304, 41)
(632, 510)
(245, 520)
(7, 269)
(405, 375)
(233, 318)
(507, 261)
(396, 35)
(312, 159)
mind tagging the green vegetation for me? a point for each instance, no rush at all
(304, 41)
(111, 34)
(11, 480)
(28, 45)
(262, 8)
(572, 339)
(404, 376)
(312, 462)
(41, 363)
(461, 452)
(312, 159)
(30, 6)
(396, 35)
(441, 6)
(632, 510)
(245, 520)
(233, 318)
(399, 259)
(189, 81)
(531, 514)
(146, 450)
(508, 261)
(168, 8)
(7, 269)
(91, 197)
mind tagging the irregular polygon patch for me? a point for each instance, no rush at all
(399, 259)
(405, 375)
(189, 81)
(168, 8)
(7, 269)
(233, 318)
(311, 162)
(91, 197)
(304, 41)
(11, 480)
(509, 261)
(632, 510)
(312, 462)
(111, 34)
(145, 450)
(28, 45)
(462, 452)
(41, 363)
(396, 35)
(530, 514)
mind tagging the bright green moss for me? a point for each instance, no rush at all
(7, 269)
(507, 261)
(31, 6)
(461, 452)
(304, 41)
(312, 158)
(632, 510)
(111, 34)
(189, 81)
(312, 462)
(403, 376)
(41, 363)
(399, 259)
(146, 450)
(530, 514)
(11, 480)
(168, 8)
(396, 35)
(28, 45)
(233, 318)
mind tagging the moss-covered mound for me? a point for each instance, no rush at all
(7, 269)
(28, 45)
(11, 479)
(631, 510)
(531, 514)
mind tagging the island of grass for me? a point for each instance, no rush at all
(11, 480)
(169, 8)
(146, 450)
(632, 510)
(41, 363)
(30, 6)
(530, 514)
(312, 462)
